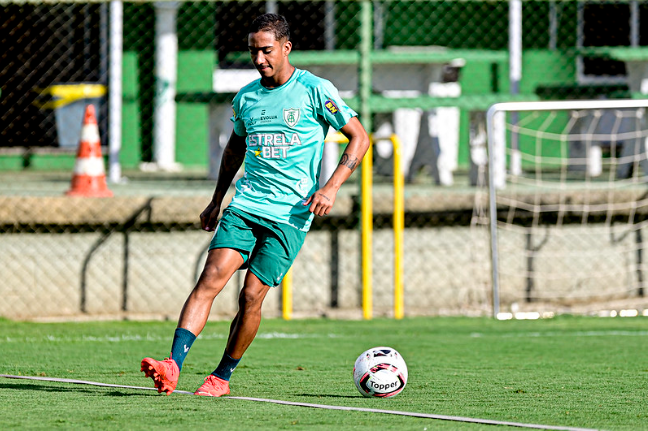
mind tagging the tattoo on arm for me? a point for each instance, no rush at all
(348, 161)
(324, 196)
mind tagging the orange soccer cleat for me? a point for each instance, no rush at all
(213, 387)
(164, 373)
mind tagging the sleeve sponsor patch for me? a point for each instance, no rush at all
(331, 107)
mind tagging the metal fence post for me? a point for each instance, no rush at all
(367, 169)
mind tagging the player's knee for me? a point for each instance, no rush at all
(212, 278)
(251, 297)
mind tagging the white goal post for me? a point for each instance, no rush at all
(568, 204)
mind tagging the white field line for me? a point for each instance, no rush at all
(320, 406)
(552, 334)
(118, 338)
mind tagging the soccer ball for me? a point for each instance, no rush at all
(380, 372)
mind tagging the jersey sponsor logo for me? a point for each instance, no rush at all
(245, 184)
(265, 117)
(291, 116)
(272, 152)
(272, 145)
(331, 107)
(273, 140)
(303, 185)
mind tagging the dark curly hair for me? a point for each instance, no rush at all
(273, 23)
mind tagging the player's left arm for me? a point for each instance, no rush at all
(323, 199)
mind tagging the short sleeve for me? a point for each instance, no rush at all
(331, 106)
(239, 125)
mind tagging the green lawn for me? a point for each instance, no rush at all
(566, 371)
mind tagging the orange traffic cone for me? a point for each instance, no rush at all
(89, 179)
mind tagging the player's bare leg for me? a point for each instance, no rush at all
(245, 325)
(219, 268)
(243, 330)
(221, 264)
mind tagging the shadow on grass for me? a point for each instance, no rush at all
(46, 388)
(328, 396)
(126, 393)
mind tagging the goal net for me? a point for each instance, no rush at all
(565, 198)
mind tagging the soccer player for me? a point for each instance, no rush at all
(280, 122)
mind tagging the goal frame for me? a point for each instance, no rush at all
(496, 146)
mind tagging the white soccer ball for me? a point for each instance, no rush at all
(380, 372)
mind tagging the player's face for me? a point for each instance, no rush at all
(270, 57)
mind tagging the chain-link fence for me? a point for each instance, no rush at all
(162, 75)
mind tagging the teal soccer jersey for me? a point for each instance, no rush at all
(285, 129)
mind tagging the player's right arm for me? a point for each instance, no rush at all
(232, 159)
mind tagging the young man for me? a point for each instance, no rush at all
(280, 122)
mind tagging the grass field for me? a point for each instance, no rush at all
(566, 371)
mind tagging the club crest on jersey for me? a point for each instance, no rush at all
(331, 106)
(291, 116)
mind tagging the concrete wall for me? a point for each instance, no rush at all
(446, 271)
(43, 274)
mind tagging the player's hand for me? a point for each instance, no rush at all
(209, 217)
(321, 202)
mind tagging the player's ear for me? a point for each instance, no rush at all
(287, 47)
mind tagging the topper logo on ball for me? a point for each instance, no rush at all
(380, 372)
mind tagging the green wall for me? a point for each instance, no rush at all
(196, 63)
(195, 69)
(478, 25)
(131, 151)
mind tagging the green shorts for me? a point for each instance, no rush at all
(268, 247)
